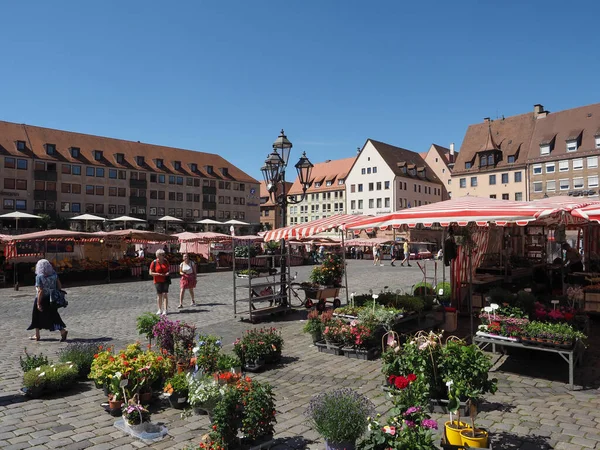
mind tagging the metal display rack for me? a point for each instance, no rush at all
(262, 296)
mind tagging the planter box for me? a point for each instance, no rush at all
(256, 366)
(328, 348)
(545, 343)
(591, 302)
(358, 353)
(440, 406)
(498, 337)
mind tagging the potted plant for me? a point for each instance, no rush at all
(177, 389)
(340, 416)
(204, 392)
(49, 378)
(271, 247)
(31, 361)
(314, 326)
(115, 394)
(228, 362)
(81, 354)
(146, 323)
(474, 437)
(258, 346)
(135, 416)
(207, 352)
(359, 341)
(453, 427)
(409, 429)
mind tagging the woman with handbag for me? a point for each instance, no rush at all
(187, 270)
(45, 315)
(159, 270)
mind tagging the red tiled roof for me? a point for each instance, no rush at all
(265, 194)
(330, 170)
(36, 139)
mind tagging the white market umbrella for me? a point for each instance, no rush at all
(210, 222)
(18, 215)
(88, 217)
(168, 219)
(126, 219)
(235, 222)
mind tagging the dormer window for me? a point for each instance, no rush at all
(97, 155)
(51, 149)
(468, 165)
(597, 141)
(491, 161)
(21, 145)
(483, 161)
(194, 167)
(544, 149)
(159, 163)
(404, 170)
(120, 158)
(413, 172)
(511, 159)
(177, 165)
(139, 160)
(209, 170)
(328, 183)
(75, 152)
(341, 181)
(572, 145)
(318, 184)
(224, 171)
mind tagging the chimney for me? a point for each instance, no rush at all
(538, 109)
(452, 152)
(486, 120)
(358, 150)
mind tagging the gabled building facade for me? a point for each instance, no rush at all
(326, 195)
(385, 178)
(441, 161)
(65, 173)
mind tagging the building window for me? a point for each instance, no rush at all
(572, 145)
(492, 195)
(511, 159)
(121, 192)
(491, 160)
(90, 172)
(21, 205)
(177, 165)
(100, 172)
(51, 149)
(318, 184)
(592, 162)
(550, 167)
(139, 160)
(368, 170)
(565, 184)
(22, 164)
(378, 186)
(386, 184)
(112, 173)
(387, 202)
(463, 182)
(194, 167)
(504, 178)
(112, 191)
(504, 196)
(340, 182)
(371, 203)
(76, 170)
(89, 189)
(537, 169)
(97, 155)
(120, 158)
(20, 145)
(75, 153)
(492, 179)
(209, 170)
(371, 186)
(363, 171)
(379, 203)
(518, 196)
(563, 166)
(518, 177)
(537, 186)
(468, 165)
(360, 204)
(473, 182)
(159, 163)
(360, 187)
(551, 185)
(65, 207)
(597, 138)
(328, 183)
(544, 149)
(593, 181)
(66, 169)
(578, 183)
(374, 169)
(578, 164)
(10, 163)
(99, 190)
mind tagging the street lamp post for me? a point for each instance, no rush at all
(274, 175)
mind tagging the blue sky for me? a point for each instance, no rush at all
(226, 76)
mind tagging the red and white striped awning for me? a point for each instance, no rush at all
(304, 230)
(589, 212)
(574, 206)
(462, 210)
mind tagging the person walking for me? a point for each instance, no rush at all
(393, 254)
(45, 315)
(187, 270)
(159, 270)
(406, 255)
(377, 255)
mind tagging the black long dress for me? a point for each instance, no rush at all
(48, 318)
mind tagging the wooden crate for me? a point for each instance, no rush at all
(591, 302)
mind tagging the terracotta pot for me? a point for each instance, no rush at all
(116, 404)
(181, 367)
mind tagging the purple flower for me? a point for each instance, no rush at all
(409, 423)
(412, 410)
(429, 423)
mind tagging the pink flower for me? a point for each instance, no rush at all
(389, 430)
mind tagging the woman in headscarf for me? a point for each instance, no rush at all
(45, 316)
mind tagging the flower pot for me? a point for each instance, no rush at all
(178, 400)
(181, 367)
(479, 440)
(347, 445)
(453, 431)
(115, 404)
(254, 366)
(331, 349)
(145, 397)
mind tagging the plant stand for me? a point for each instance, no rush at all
(360, 353)
(329, 348)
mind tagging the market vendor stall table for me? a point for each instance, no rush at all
(572, 357)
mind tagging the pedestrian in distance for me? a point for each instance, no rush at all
(45, 315)
(187, 270)
(393, 254)
(377, 255)
(159, 270)
(406, 255)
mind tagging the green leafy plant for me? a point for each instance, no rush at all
(257, 344)
(31, 361)
(135, 414)
(313, 324)
(446, 290)
(330, 272)
(245, 251)
(228, 361)
(177, 383)
(409, 303)
(499, 296)
(51, 378)
(145, 324)
(81, 354)
(340, 415)
(207, 353)
(422, 289)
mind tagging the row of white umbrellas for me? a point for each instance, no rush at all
(87, 217)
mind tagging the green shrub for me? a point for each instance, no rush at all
(409, 303)
(447, 291)
(32, 361)
(81, 354)
(227, 361)
(422, 289)
(525, 301)
(146, 323)
(51, 378)
(498, 295)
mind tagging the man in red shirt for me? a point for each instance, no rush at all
(159, 270)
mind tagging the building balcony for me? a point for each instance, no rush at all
(209, 206)
(45, 195)
(209, 190)
(138, 201)
(44, 175)
(138, 184)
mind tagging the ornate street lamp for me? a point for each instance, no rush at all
(274, 175)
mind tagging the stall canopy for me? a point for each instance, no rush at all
(206, 236)
(462, 210)
(137, 235)
(570, 210)
(589, 212)
(308, 229)
(364, 242)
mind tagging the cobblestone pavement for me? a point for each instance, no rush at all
(532, 409)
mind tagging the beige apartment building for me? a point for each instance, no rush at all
(385, 178)
(492, 161)
(271, 214)
(441, 161)
(65, 173)
(326, 195)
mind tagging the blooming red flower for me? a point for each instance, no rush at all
(391, 379)
(401, 383)
(411, 377)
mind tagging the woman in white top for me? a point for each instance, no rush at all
(187, 270)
